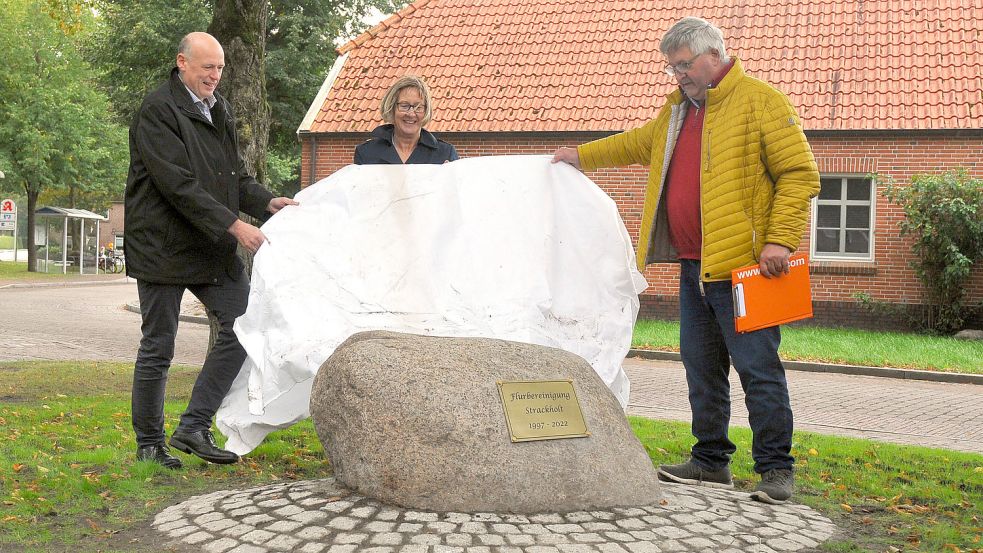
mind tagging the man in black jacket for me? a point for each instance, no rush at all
(185, 188)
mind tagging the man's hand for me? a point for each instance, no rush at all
(249, 236)
(276, 204)
(567, 155)
(774, 260)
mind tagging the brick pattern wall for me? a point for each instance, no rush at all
(113, 225)
(887, 278)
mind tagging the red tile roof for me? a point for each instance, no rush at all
(581, 65)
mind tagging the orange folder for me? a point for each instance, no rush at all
(761, 302)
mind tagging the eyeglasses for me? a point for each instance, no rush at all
(410, 108)
(681, 67)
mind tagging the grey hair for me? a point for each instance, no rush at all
(184, 47)
(695, 33)
(388, 106)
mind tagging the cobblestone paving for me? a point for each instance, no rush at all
(319, 516)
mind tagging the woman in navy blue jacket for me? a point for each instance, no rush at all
(405, 109)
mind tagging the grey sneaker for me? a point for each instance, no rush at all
(690, 473)
(775, 486)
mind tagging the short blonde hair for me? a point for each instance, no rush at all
(388, 107)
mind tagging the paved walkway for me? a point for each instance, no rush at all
(933, 414)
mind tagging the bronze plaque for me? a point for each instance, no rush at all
(542, 410)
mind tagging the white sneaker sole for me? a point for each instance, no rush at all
(666, 477)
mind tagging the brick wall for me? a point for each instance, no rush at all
(888, 278)
(109, 228)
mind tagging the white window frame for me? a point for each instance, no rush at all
(840, 256)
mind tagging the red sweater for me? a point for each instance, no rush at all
(683, 182)
(683, 187)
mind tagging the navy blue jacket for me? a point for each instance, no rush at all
(379, 150)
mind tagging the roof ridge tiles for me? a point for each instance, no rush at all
(382, 26)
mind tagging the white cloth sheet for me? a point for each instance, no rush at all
(509, 247)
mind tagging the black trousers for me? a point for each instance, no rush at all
(161, 305)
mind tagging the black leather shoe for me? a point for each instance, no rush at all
(160, 454)
(202, 444)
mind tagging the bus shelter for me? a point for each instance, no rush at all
(67, 240)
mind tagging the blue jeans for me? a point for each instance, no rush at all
(709, 343)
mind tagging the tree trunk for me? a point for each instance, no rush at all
(32, 205)
(240, 25)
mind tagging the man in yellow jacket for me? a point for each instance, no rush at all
(731, 176)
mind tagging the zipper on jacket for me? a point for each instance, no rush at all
(707, 166)
(702, 233)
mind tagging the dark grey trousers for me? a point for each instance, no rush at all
(161, 305)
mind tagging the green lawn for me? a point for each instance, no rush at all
(69, 482)
(6, 242)
(846, 346)
(17, 271)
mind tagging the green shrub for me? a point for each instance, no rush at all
(944, 215)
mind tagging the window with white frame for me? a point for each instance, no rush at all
(843, 218)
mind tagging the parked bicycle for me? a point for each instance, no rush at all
(112, 261)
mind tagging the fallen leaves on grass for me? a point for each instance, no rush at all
(18, 467)
(846, 507)
(910, 509)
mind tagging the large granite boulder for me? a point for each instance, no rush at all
(418, 422)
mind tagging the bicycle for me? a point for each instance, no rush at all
(111, 263)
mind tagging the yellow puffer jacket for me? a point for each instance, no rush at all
(758, 173)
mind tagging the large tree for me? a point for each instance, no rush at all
(240, 25)
(135, 42)
(53, 130)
